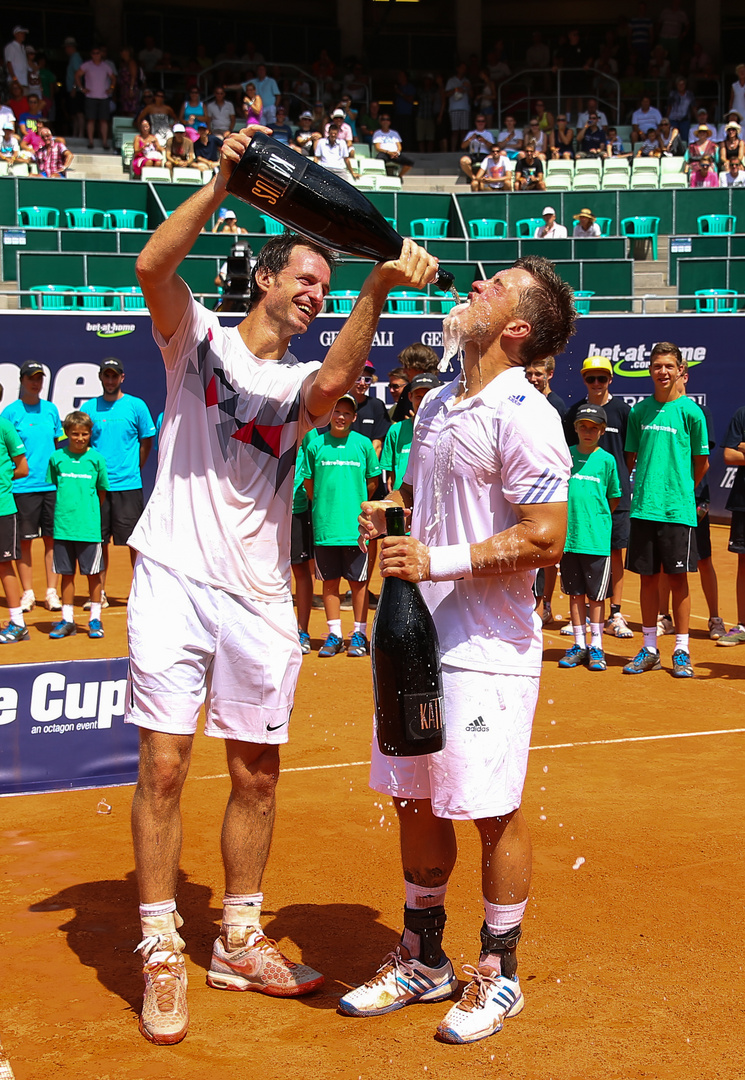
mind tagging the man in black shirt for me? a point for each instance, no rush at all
(539, 374)
(597, 374)
(529, 171)
(734, 456)
(373, 422)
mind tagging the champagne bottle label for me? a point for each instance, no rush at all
(422, 716)
(274, 177)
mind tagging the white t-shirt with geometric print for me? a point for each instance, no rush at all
(220, 511)
(470, 464)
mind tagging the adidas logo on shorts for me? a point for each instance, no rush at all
(479, 724)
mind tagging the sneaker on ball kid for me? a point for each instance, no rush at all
(399, 982)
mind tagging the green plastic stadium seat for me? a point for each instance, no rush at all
(272, 227)
(716, 300)
(401, 302)
(481, 228)
(38, 216)
(582, 301)
(430, 228)
(128, 219)
(80, 218)
(131, 298)
(605, 224)
(53, 298)
(642, 228)
(95, 297)
(341, 301)
(525, 227)
(721, 224)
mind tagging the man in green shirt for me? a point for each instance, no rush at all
(667, 442)
(13, 466)
(341, 471)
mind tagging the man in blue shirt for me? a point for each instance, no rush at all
(268, 90)
(123, 431)
(38, 425)
(281, 130)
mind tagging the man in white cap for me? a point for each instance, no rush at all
(550, 230)
(345, 131)
(16, 63)
(586, 226)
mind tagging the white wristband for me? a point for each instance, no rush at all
(450, 563)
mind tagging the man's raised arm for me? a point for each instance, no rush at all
(413, 269)
(166, 294)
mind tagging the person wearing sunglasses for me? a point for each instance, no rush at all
(597, 375)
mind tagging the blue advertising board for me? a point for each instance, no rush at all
(61, 726)
(72, 346)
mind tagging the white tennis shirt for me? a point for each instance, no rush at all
(470, 464)
(220, 511)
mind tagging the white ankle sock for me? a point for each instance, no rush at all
(681, 642)
(500, 918)
(334, 626)
(596, 632)
(67, 613)
(579, 636)
(241, 915)
(16, 616)
(650, 638)
(95, 611)
(360, 628)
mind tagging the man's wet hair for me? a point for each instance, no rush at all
(548, 305)
(276, 254)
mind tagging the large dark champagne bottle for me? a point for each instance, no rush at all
(407, 680)
(312, 200)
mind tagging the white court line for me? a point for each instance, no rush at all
(552, 746)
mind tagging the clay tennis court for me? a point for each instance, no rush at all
(632, 956)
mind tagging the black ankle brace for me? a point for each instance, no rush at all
(504, 946)
(428, 924)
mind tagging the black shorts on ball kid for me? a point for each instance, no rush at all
(301, 537)
(10, 541)
(120, 512)
(661, 545)
(340, 562)
(88, 555)
(35, 513)
(586, 575)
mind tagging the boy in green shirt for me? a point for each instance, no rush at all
(341, 470)
(13, 466)
(395, 455)
(666, 440)
(79, 474)
(594, 493)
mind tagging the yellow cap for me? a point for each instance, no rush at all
(597, 363)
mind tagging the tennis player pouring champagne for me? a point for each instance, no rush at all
(214, 547)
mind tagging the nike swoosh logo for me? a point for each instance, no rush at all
(275, 727)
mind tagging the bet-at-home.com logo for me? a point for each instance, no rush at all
(633, 361)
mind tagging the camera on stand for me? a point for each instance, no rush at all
(237, 286)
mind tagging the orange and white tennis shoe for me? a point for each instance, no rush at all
(259, 965)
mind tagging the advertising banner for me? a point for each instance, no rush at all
(71, 348)
(61, 726)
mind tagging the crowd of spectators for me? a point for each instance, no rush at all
(669, 97)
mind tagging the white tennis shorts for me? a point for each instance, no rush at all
(189, 642)
(480, 773)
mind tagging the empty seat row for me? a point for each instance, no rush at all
(87, 298)
(81, 218)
